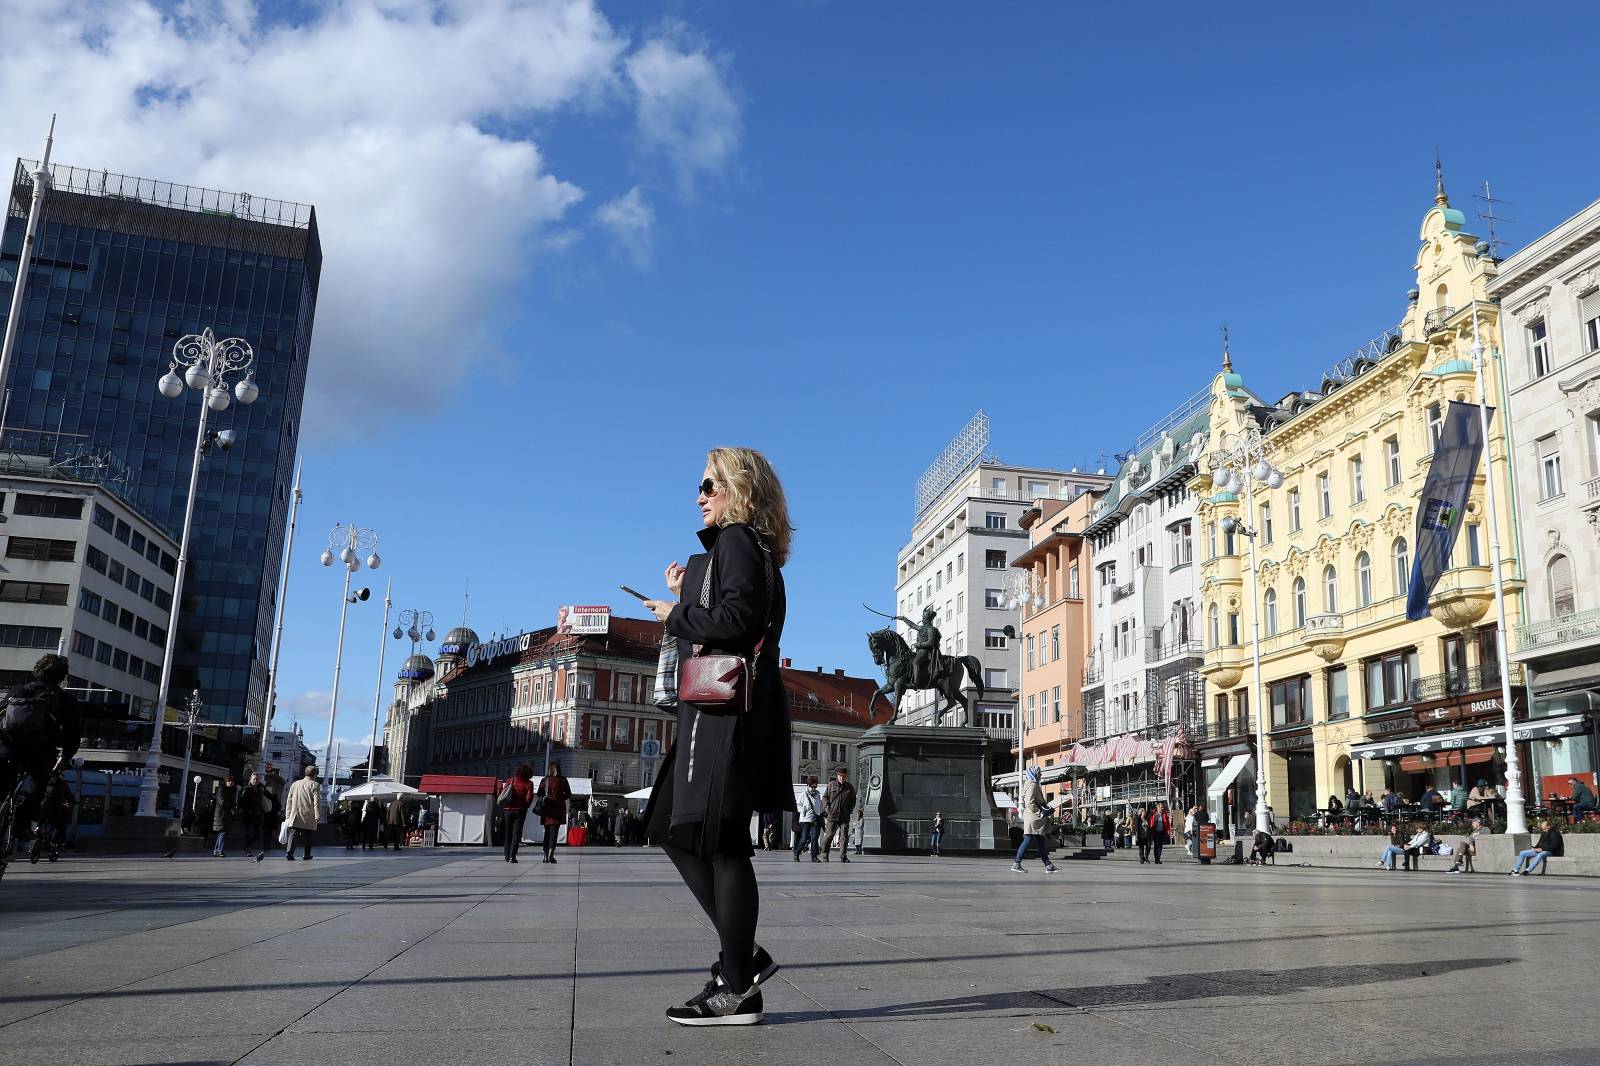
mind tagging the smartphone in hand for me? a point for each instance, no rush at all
(635, 593)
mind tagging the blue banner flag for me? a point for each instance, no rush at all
(1444, 501)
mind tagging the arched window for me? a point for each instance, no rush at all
(1364, 578)
(1299, 602)
(1330, 590)
(1402, 566)
(1563, 600)
(1214, 623)
(1270, 611)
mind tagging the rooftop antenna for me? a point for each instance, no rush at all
(1227, 357)
(466, 600)
(1438, 175)
(1488, 215)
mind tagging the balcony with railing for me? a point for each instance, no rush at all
(1575, 629)
(1591, 494)
(1241, 725)
(1121, 592)
(1093, 675)
(1157, 652)
(1435, 319)
(1460, 682)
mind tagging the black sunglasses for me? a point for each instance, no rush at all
(708, 487)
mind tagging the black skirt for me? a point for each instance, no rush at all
(701, 802)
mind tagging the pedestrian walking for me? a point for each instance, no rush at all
(255, 811)
(349, 817)
(394, 824)
(222, 810)
(860, 831)
(1160, 830)
(516, 799)
(302, 812)
(1108, 831)
(1190, 841)
(810, 809)
(1033, 823)
(838, 804)
(1141, 834)
(724, 766)
(277, 790)
(554, 791)
(371, 824)
(937, 835)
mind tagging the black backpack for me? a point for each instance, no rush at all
(28, 710)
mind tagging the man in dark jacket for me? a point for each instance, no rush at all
(1582, 797)
(1550, 844)
(837, 805)
(39, 730)
(255, 808)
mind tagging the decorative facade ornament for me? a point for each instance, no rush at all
(1582, 282)
(1294, 564)
(1360, 535)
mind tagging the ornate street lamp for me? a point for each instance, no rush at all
(209, 364)
(346, 544)
(1243, 461)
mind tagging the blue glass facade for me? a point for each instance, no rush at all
(117, 278)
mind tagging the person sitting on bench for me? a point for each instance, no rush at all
(1262, 848)
(1420, 843)
(1550, 843)
(1396, 847)
(1467, 849)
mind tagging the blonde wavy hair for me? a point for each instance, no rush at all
(754, 496)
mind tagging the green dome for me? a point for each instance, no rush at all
(1454, 366)
(1225, 497)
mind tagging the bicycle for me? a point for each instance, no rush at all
(8, 811)
(46, 843)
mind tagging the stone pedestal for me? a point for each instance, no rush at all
(912, 773)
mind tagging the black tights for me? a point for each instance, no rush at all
(725, 888)
(549, 841)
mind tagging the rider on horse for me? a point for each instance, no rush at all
(927, 647)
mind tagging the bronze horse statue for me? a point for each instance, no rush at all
(890, 651)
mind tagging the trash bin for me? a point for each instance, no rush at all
(1208, 843)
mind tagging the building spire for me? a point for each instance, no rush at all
(1438, 174)
(1227, 357)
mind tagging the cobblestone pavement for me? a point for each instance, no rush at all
(435, 957)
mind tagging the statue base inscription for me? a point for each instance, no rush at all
(911, 773)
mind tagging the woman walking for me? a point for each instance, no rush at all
(726, 762)
(222, 814)
(938, 830)
(516, 807)
(556, 792)
(1033, 823)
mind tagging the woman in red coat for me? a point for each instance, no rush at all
(521, 789)
(556, 792)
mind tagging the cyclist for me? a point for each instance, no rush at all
(39, 729)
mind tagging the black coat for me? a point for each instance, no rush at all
(740, 612)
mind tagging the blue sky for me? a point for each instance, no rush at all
(855, 225)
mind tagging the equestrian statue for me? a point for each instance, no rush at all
(923, 667)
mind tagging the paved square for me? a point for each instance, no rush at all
(438, 957)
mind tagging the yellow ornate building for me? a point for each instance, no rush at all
(1344, 675)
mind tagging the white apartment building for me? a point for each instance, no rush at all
(1141, 676)
(87, 575)
(1550, 295)
(967, 532)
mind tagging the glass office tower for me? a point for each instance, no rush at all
(122, 268)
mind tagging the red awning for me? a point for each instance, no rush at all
(458, 784)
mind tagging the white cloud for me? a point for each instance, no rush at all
(686, 112)
(631, 220)
(404, 122)
(309, 710)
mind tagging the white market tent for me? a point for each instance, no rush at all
(379, 788)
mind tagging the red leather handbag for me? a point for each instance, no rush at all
(720, 679)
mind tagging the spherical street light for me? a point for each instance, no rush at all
(373, 562)
(327, 557)
(1261, 471)
(197, 377)
(171, 385)
(218, 399)
(247, 390)
(347, 556)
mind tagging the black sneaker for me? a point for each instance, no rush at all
(717, 1004)
(762, 964)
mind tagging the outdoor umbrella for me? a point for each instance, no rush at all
(380, 788)
(639, 794)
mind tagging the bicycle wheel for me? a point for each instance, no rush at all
(6, 843)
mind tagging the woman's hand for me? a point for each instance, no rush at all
(659, 608)
(674, 576)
